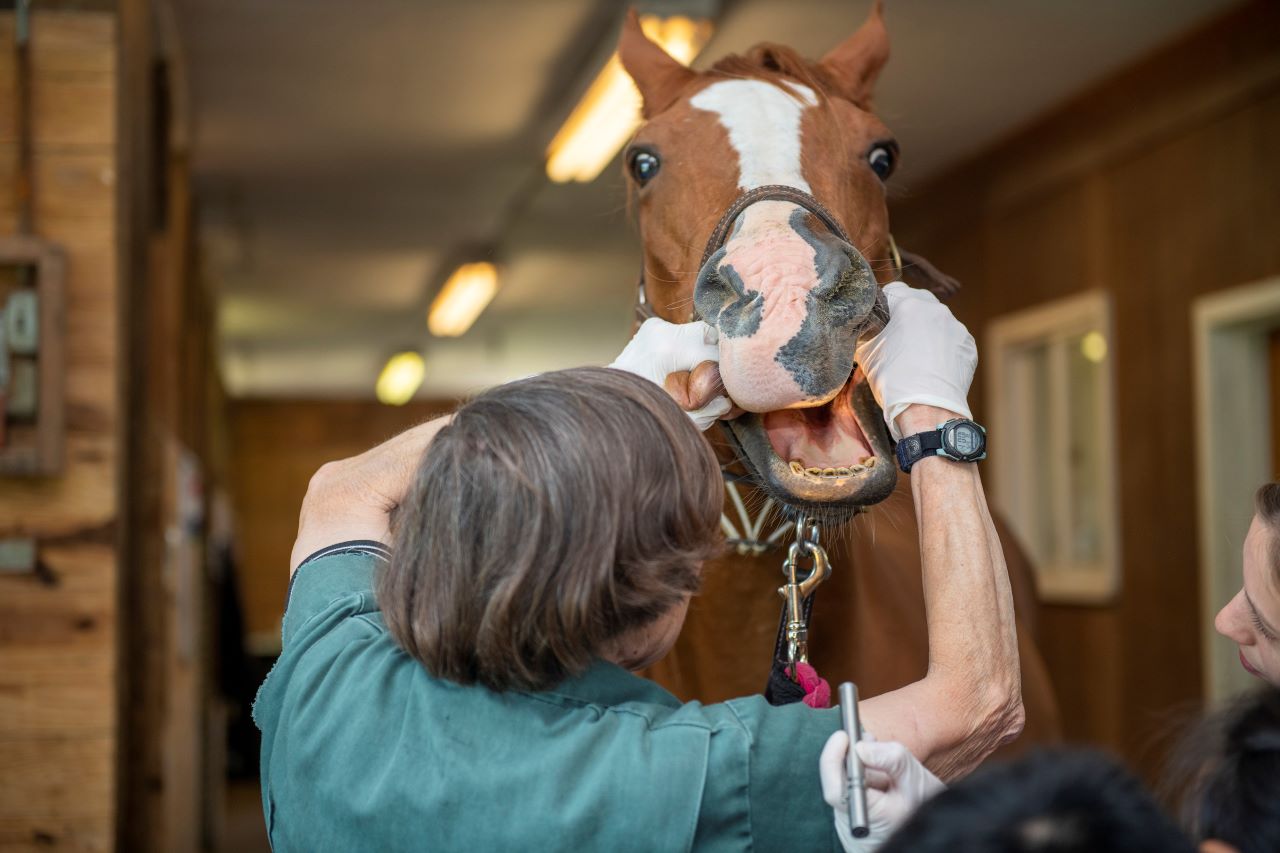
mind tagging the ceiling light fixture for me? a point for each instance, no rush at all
(609, 112)
(462, 298)
(1093, 346)
(400, 379)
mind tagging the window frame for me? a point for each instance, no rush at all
(1059, 581)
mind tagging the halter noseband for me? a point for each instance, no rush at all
(720, 234)
(769, 192)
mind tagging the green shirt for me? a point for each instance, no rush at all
(363, 750)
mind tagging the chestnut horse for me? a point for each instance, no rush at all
(728, 171)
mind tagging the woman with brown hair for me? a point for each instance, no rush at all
(469, 687)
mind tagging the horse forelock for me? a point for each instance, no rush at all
(777, 64)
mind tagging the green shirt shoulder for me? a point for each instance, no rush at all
(363, 749)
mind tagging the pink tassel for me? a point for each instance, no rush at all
(817, 693)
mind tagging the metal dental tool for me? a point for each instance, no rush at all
(855, 786)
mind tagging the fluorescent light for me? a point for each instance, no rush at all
(609, 112)
(400, 378)
(462, 298)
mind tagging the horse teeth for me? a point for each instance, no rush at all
(843, 472)
(813, 472)
(796, 467)
(856, 469)
(828, 472)
(869, 462)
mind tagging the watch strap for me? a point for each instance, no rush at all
(913, 448)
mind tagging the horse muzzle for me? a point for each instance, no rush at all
(790, 303)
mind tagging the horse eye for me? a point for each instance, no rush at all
(643, 165)
(881, 159)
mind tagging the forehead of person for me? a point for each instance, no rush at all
(1262, 572)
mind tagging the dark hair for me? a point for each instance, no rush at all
(552, 515)
(1266, 503)
(1230, 763)
(1054, 801)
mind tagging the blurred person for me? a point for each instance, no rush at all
(469, 687)
(1252, 618)
(1229, 766)
(1055, 801)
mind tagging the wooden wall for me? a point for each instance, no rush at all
(172, 727)
(58, 630)
(276, 445)
(104, 691)
(1159, 185)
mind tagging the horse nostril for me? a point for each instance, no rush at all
(723, 301)
(846, 285)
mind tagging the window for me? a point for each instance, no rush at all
(1049, 381)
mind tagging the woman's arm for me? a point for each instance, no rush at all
(970, 700)
(354, 498)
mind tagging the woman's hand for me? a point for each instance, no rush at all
(353, 498)
(897, 783)
(683, 359)
(923, 356)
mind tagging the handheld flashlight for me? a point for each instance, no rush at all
(855, 777)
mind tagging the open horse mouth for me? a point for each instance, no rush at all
(827, 460)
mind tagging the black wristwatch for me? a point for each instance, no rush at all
(959, 438)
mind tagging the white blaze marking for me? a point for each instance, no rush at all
(763, 121)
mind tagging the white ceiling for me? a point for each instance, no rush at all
(345, 151)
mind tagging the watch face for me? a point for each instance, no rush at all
(964, 440)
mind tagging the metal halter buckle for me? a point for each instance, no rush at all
(797, 590)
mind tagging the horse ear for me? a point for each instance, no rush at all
(855, 63)
(658, 77)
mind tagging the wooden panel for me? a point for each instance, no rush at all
(1158, 186)
(276, 447)
(70, 606)
(46, 689)
(42, 807)
(1080, 646)
(76, 185)
(72, 80)
(58, 699)
(1198, 211)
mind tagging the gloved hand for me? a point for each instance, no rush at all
(897, 784)
(683, 359)
(924, 355)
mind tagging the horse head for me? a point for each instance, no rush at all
(761, 203)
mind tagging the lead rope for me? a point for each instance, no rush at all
(792, 678)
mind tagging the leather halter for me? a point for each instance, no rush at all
(720, 234)
(769, 192)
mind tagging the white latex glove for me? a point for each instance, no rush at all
(897, 783)
(924, 355)
(660, 348)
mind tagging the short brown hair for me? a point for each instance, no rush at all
(1266, 503)
(550, 516)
